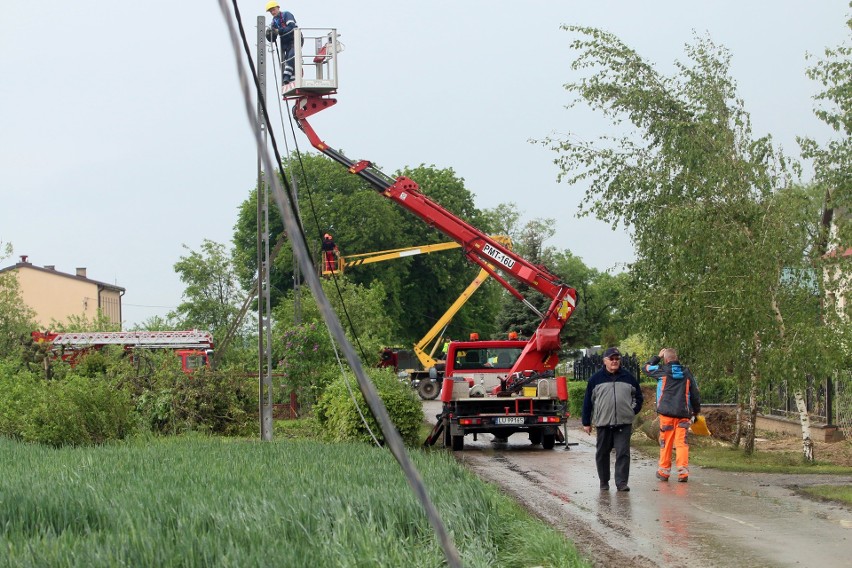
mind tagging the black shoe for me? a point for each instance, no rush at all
(624, 488)
(604, 486)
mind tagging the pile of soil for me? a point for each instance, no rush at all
(722, 423)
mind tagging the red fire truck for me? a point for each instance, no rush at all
(193, 347)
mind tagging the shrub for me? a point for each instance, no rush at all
(576, 393)
(307, 364)
(722, 390)
(337, 415)
(16, 396)
(216, 402)
(75, 411)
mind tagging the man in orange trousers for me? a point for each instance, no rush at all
(678, 403)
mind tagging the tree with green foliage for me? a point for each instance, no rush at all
(722, 237)
(157, 323)
(420, 288)
(833, 167)
(17, 320)
(212, 297)
(833, 175)
(599, 304)
(603, 303)
(528, 242)
(304, 355)
(80, 322)
(833, 161)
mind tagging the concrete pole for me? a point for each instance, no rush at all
(264, 335)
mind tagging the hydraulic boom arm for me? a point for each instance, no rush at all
(480, 248)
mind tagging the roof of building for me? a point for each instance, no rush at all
(834, 252)
(30, 266)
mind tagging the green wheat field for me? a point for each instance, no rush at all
(198, 501)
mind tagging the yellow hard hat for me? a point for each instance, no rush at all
(272, 4)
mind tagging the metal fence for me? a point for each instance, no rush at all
(585, 367)
(828, 400)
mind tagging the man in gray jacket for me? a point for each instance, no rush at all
(613, 398)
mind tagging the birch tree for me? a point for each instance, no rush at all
(832, 163)
(723, 237)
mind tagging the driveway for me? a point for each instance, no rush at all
(717, 519)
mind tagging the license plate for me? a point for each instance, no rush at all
(509, 420)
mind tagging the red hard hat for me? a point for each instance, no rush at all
(474, 336)
(513, 335)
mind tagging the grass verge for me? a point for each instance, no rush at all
(839, 493)
(727, 458)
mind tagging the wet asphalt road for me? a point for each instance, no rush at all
(717, 519)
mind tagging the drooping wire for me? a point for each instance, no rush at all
(301, 253)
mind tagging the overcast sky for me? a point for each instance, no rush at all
(123, 135)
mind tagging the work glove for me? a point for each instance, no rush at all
(271, 34)
(693, 419)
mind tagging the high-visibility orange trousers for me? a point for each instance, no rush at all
(673, 435)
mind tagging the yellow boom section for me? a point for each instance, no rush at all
(426, 359)
(349, 261)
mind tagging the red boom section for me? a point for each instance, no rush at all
(542, 349)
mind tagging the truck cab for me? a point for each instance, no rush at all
(483, 362)
(193, 359)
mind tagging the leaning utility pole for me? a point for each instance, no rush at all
(264, 333)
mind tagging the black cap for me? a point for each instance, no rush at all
(611, 351)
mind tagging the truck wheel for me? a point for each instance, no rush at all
(458, 443)
(428, 389)
(548, 441)
(535, 437)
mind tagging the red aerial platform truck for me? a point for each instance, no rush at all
(479, 396)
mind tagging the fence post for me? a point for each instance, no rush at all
(829, 402)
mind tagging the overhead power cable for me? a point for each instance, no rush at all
(300, 252)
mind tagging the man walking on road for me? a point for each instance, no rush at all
(613, 399)
(678, 403)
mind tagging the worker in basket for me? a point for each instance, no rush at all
(283, 24)
(387, 358)
(330, 253)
